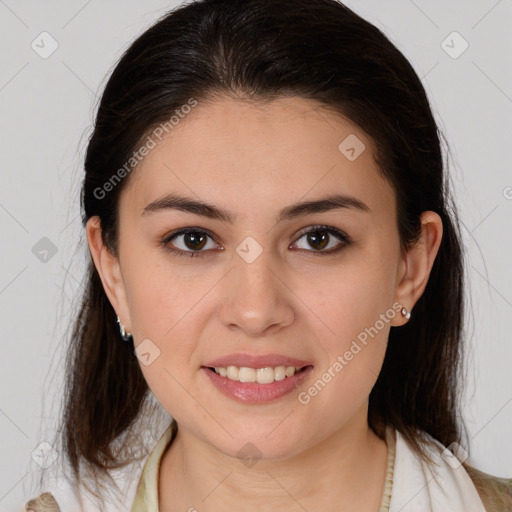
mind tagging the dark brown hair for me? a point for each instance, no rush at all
(260, 50)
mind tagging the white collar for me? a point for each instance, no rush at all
(422, 487)
(417, 486)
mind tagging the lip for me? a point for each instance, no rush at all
(256, 361)
(254, 393)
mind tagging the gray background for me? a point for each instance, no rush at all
(47, 107)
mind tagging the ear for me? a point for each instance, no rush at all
(109, 270)
(416, 264)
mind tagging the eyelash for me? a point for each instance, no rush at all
(345, 239)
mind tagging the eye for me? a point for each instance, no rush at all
(190, 242)
(321, 237)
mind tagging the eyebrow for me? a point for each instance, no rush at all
(190, 205)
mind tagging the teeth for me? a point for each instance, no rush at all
(265, 375)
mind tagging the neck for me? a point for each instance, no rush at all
(345, 471)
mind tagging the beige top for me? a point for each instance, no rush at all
(146, 497)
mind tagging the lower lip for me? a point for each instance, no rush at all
(254, 393)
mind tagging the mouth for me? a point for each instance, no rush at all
(257, 386)
(263, 375)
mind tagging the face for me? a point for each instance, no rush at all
(314, 287)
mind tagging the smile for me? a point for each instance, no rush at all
(241, 383)
(264, 375)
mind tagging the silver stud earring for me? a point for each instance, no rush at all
(406, 313)
(125, 336)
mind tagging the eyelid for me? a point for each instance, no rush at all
(338, 233)
(191, 229)
(344, 240)
(323, 227)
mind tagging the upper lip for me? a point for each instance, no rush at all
(256, 361)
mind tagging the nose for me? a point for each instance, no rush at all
(257, 297)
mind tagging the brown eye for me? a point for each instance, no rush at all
(318, 239)
(323, 237)
(189, 242)
(194, 240)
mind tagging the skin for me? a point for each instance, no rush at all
(254, 161)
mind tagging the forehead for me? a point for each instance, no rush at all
(235, 152)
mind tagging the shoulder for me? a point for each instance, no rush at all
(64, 495)
(60, 494)
(43, 503)
(495, 492)
(429, 479)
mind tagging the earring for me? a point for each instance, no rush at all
(406, 313)
(125, 336)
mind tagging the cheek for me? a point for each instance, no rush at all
(353, 298)
(352, 358)
(160, 295)
(357, 309)
(165, 325)
(169, 328)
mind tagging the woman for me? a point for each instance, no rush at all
(273, 240)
